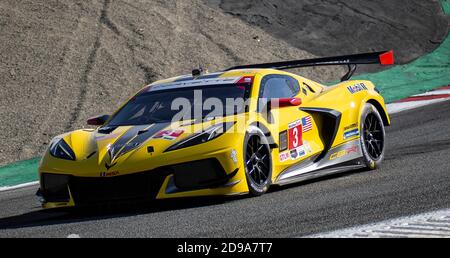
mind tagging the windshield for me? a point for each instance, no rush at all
(181, 104)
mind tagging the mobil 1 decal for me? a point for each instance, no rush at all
(356, 88)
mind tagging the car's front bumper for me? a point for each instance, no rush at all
(216, 174)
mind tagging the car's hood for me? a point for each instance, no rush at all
(134, 148)
(124, 139)
(111, 143)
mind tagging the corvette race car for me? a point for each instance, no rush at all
(232, 132)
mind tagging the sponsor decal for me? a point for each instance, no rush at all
(353, 149)
(351, 133)
(298, 152)
(295, 134)
(294, 124)
(132, 144)
(350, 126)
(342, 153)
(284, 156)
(307, 146)
(233, 156)
(283, 141)
(169, 134)
(108, 166)
(307, 123)
(301, 151)
(109, 174)
(192, 83)
(357, 88)
(294, 154)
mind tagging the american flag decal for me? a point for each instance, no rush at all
(306, 123)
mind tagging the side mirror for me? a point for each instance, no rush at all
(285, 102)
(98, 120)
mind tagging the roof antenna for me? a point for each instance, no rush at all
(197, 72)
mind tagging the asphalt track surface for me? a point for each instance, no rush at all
(415, 178)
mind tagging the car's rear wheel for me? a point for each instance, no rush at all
(258, 161)
(372, 137)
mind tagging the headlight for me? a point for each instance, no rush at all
(203, 136)
(60, 149)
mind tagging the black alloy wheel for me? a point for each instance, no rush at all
(373, 136)
(257, 161)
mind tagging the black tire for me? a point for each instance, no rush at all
(372, 137)
(257, 161)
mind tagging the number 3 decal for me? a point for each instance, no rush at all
(295, 142)
(295, 135)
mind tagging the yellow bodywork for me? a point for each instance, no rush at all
(84, 142)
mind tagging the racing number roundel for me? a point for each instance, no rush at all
(295, 135)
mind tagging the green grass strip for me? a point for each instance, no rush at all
(19, 172)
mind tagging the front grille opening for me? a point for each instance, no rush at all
(199, 174)
(140, 186)
(54, 187)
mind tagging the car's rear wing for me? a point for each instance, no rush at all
(383, 58)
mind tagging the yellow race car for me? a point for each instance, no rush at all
(233, 132)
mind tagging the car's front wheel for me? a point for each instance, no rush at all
(258, 161)
(372, 137)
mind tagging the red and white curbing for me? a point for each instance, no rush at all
(415, 101)
(435, 224)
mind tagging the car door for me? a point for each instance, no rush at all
(294, 130)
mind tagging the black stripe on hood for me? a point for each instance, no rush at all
(133, 138)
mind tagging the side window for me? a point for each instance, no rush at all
(279, 86)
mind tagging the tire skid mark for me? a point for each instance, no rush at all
(396, 26)
(88, 68)
(104, 18)
(149, 73)
(224, 48)
(107, 22)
